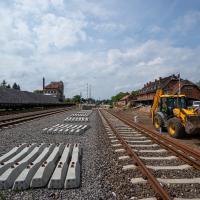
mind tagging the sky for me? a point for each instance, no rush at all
(112, 45)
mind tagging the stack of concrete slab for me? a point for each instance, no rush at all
(77, 119)
(82, 116)
(66, 129)
(82, 113)
(39, 165)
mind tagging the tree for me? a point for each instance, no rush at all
(3, 84)
(135, 92)
(15, 86)
(76, 99)
(18, 87)
(8, 86)
(198, 84)
(118, 96)
(67, 100)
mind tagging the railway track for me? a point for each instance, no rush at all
(6, 123)
(169, 168)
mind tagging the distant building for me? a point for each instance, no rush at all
(55, 89)
(125, 100)
(170, 85)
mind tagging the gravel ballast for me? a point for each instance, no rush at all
(93, 163)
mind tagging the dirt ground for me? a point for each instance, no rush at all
(144, 119)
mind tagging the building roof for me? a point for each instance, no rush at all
(54, 85)
(158, 83)
(126, 97)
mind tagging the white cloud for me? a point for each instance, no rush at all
(45, 38)
(59, 32)
(189, 21)
(109, 27)
(156, 29)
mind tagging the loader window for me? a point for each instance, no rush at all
(178, 102)
(168, 104)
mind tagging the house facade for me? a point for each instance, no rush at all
(55, 89)
(170, 85)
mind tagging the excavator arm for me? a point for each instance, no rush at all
(156, 98)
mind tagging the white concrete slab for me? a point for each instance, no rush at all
(138, 180)
(179, 181)
(12, 153)
(179, 167)
(58, 178)
(124, 157)
(158, 158)
(8, 177)
(44, 173)
(24, 179)
(73, 174)
(4, 166)
(128, 167)
(144, 145)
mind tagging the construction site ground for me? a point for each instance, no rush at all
(144, 118)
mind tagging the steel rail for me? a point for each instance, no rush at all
(28, 118)
(27, 114)
(137, 161)
(189, 155)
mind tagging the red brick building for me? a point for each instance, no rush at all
(170, 85)
(55, 89)
(125, 100)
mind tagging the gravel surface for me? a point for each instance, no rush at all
(23, 114)
(187, 191)
(121, 180)
(174, 162)
(174, 190)
(186, 173)
(102, 176)
(94, 184)
(144, 119)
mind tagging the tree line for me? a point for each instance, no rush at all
(4, 84)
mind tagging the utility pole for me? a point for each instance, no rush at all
(90, 95)
(179, 84)
(87, 91)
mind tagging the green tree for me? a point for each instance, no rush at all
(15, 86)
(135, 92)
(198, 84)
(3, 84)
(119, 96)
(76, 99)
(8, 86)
(67, 100)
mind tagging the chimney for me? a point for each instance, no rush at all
(43, 83)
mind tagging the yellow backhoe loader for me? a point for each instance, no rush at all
(171, 112)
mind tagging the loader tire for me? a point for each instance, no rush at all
(158, 123)
(175, 128)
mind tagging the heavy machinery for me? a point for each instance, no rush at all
(171, 112)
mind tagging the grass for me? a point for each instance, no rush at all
(2, 197)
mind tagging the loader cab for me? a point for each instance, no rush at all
(167, 103)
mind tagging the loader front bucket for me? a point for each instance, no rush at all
(192, 125)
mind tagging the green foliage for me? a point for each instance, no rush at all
(118, 96)
(8, 86)
(67, 100)
(104, 101)
(198, 84)
(135, 92)
(15, 86)
(38, 91)
(2, 197)
(76, 99)
(4, 84)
